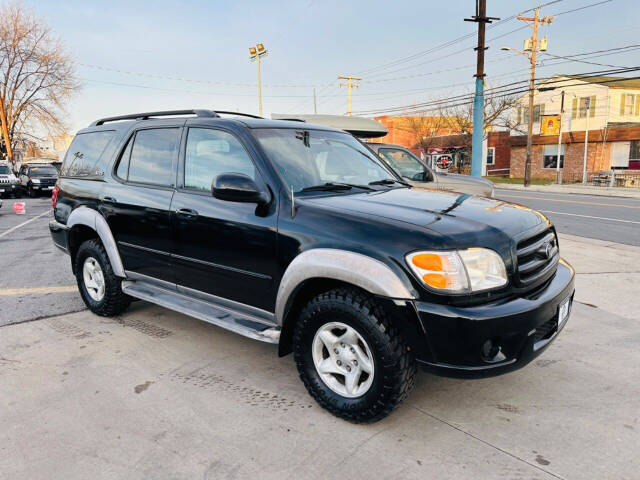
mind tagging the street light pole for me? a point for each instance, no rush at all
(255, 53)
(558, 171)
(586, 143)
(535, 21)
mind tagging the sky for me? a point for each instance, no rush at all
(135, 56)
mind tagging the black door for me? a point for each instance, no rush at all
(222, 248)
(137, 206)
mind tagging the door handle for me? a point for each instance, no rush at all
(187, 212)
(109, 200)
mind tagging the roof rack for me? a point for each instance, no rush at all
(146, 116)
(292, 119)
(240, 114)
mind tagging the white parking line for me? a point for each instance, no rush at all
(591, 216)
(13, 229)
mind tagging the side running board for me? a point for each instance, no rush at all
(222, 316)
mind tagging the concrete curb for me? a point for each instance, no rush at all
(599, 191)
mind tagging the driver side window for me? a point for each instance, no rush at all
(213, 152)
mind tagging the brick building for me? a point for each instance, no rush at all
(617, 148)
(409, 131)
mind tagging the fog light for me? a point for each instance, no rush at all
(491, 351)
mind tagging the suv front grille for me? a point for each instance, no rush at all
(538, 258)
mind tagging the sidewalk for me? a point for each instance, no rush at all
(580, 189)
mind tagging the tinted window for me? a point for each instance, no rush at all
(210, 153)
(83, 157)
(152, 156)
(123, 164)
(403, 162)
(4, 170)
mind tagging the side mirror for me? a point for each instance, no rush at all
(236, 187)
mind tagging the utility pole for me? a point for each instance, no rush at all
(533, 22)
(255, 53)
(5, 132)
(315, 104)
(350, 84)
(586, 142)
(478, 101)
(558, 171)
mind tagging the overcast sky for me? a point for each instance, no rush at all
(180, 54)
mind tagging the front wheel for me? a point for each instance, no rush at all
(31, 192)
(350, 358)
(100, 288)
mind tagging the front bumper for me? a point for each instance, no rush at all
(518, 330)
(8, 188)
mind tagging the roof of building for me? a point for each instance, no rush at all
(609, 81)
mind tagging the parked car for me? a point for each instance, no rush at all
(9, 185)
(37, 178)
(298, 235)
(419, 174)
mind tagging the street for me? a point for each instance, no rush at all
(613, 219)
(155, 394)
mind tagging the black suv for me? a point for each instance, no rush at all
(298, 235)
(38, 178)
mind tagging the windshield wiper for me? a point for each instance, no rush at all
(329, 186)
(389, 181)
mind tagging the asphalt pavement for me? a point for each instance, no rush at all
(613, 219)
(35, 277)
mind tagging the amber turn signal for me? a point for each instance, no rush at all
(428, 261)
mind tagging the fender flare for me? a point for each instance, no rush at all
(355, 268)
(94, 220)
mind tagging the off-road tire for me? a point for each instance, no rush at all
(395, 368)
(114, 300)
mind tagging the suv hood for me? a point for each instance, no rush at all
(451, 214)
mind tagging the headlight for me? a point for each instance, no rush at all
(35, 180)
(459, 271)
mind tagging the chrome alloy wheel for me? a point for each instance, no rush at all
(93, 278)
(343, 359)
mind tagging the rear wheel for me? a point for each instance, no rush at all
(99, 287)
(350, 358)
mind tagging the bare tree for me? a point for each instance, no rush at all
(424, 128)
(497, 114)
(37, 77)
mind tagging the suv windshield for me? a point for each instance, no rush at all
(406, 164)
(310, 158)
(45, 171)
(4, 170)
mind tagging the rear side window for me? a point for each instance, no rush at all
(152, 155)
(83, 158)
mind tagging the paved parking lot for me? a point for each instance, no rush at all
(154, 394)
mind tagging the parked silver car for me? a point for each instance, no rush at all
(418, 174)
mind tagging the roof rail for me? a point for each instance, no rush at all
(239, 114)
(146, 116)
(292, 119)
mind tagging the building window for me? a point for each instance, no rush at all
(583, 107)
(491, 155)
(629, 104)
(634, 150)
(550, 156)
(523, 114)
